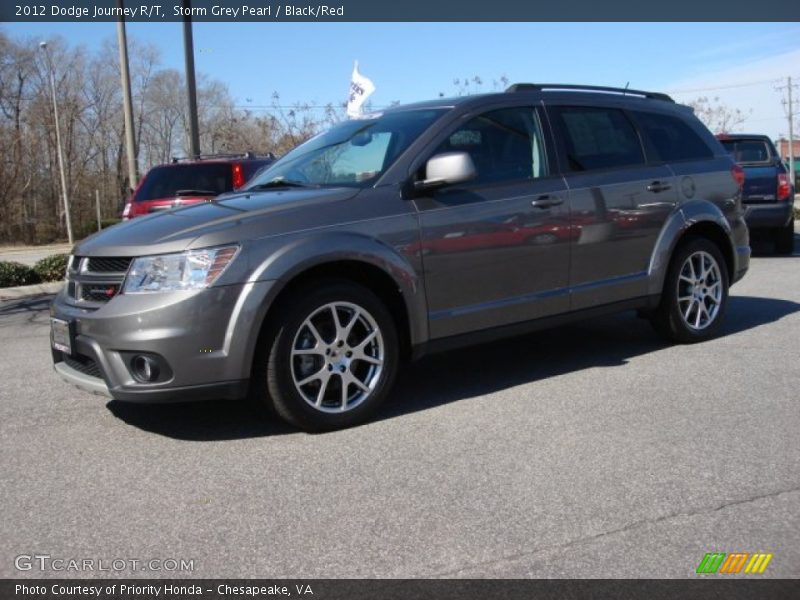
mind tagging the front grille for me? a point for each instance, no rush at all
(101, 292)
(93, 280)
(108, 265)
(84, 365)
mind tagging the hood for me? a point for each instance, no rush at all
(231, 218)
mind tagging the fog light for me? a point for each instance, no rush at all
(144, 368)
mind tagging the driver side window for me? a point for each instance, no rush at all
(504, 144)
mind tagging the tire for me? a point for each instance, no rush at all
(692, 307)
(306, 357)
(784, 239)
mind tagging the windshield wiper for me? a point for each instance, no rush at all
(278, 182)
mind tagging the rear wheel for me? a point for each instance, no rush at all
(695, 293)
(331, 358)
(784, 239)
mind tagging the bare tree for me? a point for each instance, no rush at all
(90, 109)
(718, 117)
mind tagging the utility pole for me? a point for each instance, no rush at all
(127, 102)
(191, 86)
(789, 107)
(67, 219)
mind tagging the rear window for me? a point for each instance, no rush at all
(748, 151)
(168, 180)
(598, 138)
(670, 139)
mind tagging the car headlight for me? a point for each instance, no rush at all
(190, 270)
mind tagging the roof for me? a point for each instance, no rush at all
(554, 90)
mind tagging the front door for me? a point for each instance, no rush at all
(495, 250)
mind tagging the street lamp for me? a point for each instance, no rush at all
(43, 47)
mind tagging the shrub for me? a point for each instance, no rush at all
(13, 274)
(52, 268)
(106, 223)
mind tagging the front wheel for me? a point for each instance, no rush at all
(695, 293)
(331, 358)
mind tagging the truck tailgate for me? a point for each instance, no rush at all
(760, 184)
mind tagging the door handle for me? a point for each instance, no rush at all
(658, 186)
(546, 201)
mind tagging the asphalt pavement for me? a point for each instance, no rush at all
(30, 255)
(593, 450)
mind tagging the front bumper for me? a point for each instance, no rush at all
(771, 215)
(206, 338)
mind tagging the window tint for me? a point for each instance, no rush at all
(598, 138)
(748, 151)
(670, 139)
(504, 144)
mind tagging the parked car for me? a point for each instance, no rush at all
(768, 193)
(190, 181)
(414, 230)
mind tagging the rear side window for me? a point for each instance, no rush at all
(251, 167)
(597, 138)
(166, 181)
(670, 139)
(748, 151)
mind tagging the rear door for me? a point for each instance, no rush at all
(619, 202)
(496, 249)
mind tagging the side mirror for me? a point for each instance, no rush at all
(447, 168)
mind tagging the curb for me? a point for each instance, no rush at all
(25, 291)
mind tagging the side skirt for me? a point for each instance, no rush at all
(643, 303)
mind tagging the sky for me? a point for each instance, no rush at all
(740, 63)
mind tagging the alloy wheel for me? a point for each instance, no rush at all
(337, 357)
(699, 290)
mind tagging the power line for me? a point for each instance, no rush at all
(726, 87)
(731, 86)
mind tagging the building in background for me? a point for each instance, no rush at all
(783, 150)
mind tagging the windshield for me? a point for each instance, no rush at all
(352, 153)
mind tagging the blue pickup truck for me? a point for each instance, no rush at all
(768, 195)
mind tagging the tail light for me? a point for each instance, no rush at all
(784, 187)
(238, 176)
(737, 173)
(126, 212)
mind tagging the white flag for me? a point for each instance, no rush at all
(360, 89)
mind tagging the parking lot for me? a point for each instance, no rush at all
(593, 450)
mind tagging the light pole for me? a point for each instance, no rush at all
(191, 86)
(127, 102)
(43, 47)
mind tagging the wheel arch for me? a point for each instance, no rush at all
(356, 258)
(698, 218)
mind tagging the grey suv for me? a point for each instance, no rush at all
(417, 229)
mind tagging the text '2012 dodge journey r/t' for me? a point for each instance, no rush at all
(416, 229)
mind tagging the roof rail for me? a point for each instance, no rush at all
(540, 87)
(245, 155)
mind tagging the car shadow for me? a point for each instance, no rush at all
(763, 246)
(601, 342)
